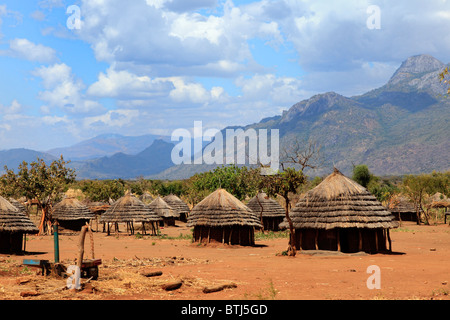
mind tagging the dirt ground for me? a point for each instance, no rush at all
(418, 268)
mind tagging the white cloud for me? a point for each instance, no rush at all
(126, 85)
(64, 91)
(112, 119)
(14, 108)
(183, 43)
(25, 49)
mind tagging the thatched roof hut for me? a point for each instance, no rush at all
(178, 205)
(402, 208)
(339, 214)
(223, 218)
(14, 223)
(129, 209)
(146, 197)
(72, 214)
(19, 205)
(163, 210)
(268, 210)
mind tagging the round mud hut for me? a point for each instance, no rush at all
(14, 223)
(129, 210)
(164, 211)
(178, 205)
(341, 215)
(221, 217)
(402, 208)
(72, 214)
(268, 210)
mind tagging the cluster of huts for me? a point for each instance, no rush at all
(338, 215)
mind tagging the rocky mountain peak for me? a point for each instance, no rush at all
(415, 66)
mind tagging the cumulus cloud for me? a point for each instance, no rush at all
(126, 85)
(25, 49)
(64, 91)
(181, 42)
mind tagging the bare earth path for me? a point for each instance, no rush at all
(419, 268)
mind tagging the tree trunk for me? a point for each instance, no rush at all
(291, 248)
(81, 246)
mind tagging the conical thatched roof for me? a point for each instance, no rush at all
(19, 205)
(221, 209)
(339, 202)
(14, 220)
(270, 207)
(129, 209)
(176, 203)
(400, 203)
(71, 209)
(162, 209)
(146, 197)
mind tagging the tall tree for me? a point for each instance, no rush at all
(283, 184)
(362, 175)
(41, 182)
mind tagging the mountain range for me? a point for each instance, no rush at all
(399, 128)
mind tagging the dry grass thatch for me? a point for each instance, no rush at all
(339, 202)
(129, 209)
(177, 204)
(221, 209)
(269, 207)
(146, 197)
(72, 209)
(14, 220)
(401, 204)
(162, 209)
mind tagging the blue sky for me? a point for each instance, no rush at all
(152, 66)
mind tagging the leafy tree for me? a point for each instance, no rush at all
(239, 181)
(41, 182)
(104, 190)
(381, 189)
(444, 78)
(283, 184)
(361, 174)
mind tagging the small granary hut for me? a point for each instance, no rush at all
(268, 210)
(14, 223)
(130, 209)
(163, 210)
(146, 197)
(178, 205)
(71, 214)
(221, 217)
(402, 208)
(341, 215)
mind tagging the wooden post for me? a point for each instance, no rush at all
(389, 240)
(360, 240)
(81, 246)
(91, 237)
(300, 235)
(338, 240)
(376, 240)
(315, 239)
